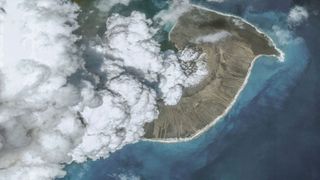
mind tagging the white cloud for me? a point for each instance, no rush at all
(212, 38)
(297, 16)
(285, 36)
(174, 11)
(179, 71)
(126, 176)
(106, 5)
(218, 1)
(46, 120)
(132, 61)
(238, 23)
(129, 40)
(37, 56)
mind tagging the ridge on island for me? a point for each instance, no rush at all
(231, 46)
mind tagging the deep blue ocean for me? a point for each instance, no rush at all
(271, 133)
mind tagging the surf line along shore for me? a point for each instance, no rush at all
(229, 61)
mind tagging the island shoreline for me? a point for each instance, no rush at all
(280, 57)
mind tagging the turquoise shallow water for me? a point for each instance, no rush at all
(272, 132)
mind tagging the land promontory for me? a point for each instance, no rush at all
(231, 45)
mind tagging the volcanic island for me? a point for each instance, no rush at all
(231, 46)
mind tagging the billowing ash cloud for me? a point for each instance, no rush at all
(297, 15)
(137, 74)
(46, 119)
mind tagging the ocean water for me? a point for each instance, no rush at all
(273, 130)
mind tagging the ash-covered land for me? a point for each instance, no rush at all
(230, 46)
